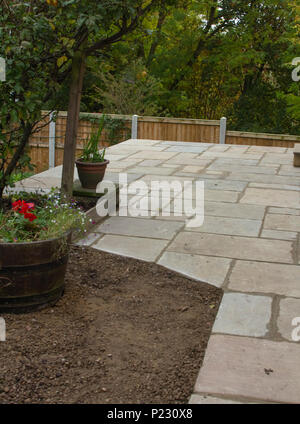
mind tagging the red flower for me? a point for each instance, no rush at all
(23, 208)
(30, 216)
(16, 205)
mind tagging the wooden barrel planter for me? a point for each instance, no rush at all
(32, 274)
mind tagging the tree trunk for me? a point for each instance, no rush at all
(78, 70)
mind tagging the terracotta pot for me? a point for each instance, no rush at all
(90, 174)
(32, 274)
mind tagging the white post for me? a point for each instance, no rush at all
(134, 127)
(223, 124)
(52, 141)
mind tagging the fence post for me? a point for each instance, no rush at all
(52, 141)
(223, 123)
(134, 127)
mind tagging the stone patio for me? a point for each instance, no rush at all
(249, 245)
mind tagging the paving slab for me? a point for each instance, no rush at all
(239, 162)
(236, 210)
(267, 149)
(149, 162)
(89, 239)
(210, 400)
(233, 247)
(282, 222)
(233, 155)
(220, 196)
(231, 226)
(188, 149)
(289, 170)
(275, 186)
(263, 277)
(279, 235)
(193, 169)
(281, 198)
(253, 368)
(230, 167)
(278, 158)
(151, 154)
(264, 179)
(289, 309)
(139, 227)
(203, 268)
(150, 170)
(284, 211)
(223, 184)
(243, 315)
(135, 247)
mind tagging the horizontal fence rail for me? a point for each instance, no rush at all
(47, 145)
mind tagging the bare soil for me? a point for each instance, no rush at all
(125, 331)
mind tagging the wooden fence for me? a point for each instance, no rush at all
(153, 128)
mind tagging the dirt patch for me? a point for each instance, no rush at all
(125, 331)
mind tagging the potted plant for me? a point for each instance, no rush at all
(34, 247)
(92, 164)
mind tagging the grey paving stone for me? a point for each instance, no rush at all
(223, 184)
(289, 309)
(231, 226)
(262, 277)
(240, 162)
(139, 227)
(264, 179)
(220, 196)
(289, 170)
(278, 158)
(151, 170)
(243, 315)
(194, 169)
(281, 198)
(135, 247)
(282, 222)
(279, 235)
(151, 154)
(210, 400)
(284, 211)
(236, 210)
(233, 247)
(230, 167)
(275, 186)
(203, 268)
(150, 162)
(187, 149)
(250, 367)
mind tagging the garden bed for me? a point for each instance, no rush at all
(126, 331)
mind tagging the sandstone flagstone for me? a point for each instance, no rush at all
(281, 198)
(282, 222)
(203, 268)
(289, 310)
(263, 277)
(231, 226)
(236, 210)
(210, 400)
(233, 247)
(279, 235)
(243, 315)
(252, 368)
(135, 247)
(139, 227)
